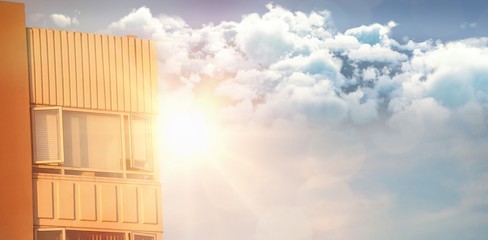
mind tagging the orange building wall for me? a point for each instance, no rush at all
(16, 217)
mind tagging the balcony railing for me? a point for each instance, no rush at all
(87, 172)
(77, 198)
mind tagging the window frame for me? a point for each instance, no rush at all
(134, 234)
(126, 132)
(69, 231)
(60, 137)
(62, 230)
(149, 140)
(122, 143)
(127, 235)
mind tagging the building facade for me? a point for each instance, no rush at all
(92, 103)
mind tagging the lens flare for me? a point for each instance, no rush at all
(186, 135)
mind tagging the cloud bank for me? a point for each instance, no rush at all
(329, 135)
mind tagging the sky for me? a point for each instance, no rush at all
(327, 119)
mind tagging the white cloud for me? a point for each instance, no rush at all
(341, 42)
(309, 111)
(372, 34)
(376, 53)
(417, 46)
(75, 21)
(361, 112)
(63, 21)
(264, 40)
(235, 91)
(370, 74)
(320, 62)
(454, 74)
(407, 128)
(139, 22)
(481, 42)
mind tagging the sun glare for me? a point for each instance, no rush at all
(187, 134)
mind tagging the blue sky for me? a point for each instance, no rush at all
(418, 19)
(336, 119)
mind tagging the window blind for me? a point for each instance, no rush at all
(47, 135)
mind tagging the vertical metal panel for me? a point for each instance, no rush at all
(154, 77)
(58, 67)
(45, 67)
(72, 70)
(106, 72)
(113, 75)
(66, 73)
(93, 70)
(100, 82)
(133, 74)
(79, 70)
(31, 63)
(119, 73)
(146, 59)
(34, 61)
(140, 76)
(66, 200)
(51, 67)
(37, 65)
(127, 77)
(86, 71)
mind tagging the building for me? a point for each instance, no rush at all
(78, 157)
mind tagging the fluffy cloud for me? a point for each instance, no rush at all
(318, 121)
(139, 22)
(341, 42)
(63, 21)
(264, 40)
(372, 34)
(454, 74)
(376, 53)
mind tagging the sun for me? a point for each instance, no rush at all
(186, 134)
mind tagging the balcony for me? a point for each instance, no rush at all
(75, 198)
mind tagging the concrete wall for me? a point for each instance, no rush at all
(16, 214)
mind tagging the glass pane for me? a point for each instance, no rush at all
(50, 235)
(46, 139)
(143, 237)
(89, 235)
(141, 143)
(92, 140)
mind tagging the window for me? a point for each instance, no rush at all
(141, 236)
(62, 234)
(49, 234)
(141, 143)
(48, 146)
(92, 235)
(92, 140)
